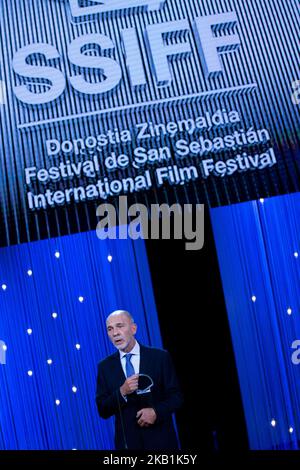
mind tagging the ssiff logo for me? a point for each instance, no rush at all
(3, 349)
(81, 8)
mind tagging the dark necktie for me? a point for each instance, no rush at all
(129, 367)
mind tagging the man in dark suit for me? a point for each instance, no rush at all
(142, 421)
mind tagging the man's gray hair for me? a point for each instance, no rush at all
(121, 312)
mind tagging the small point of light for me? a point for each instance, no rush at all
(109, 258)
(291, 430)
(261, 200)
(29, 272)
(4, 347)
(74, 449)
(54, 315)
(57, 254)
(81, 299)
(49, 361)
(253, 298)
(30, 373)
(29, 331)
(77, 346)
(4, 286)
(57, 402)
(289, 311)
(273, 423)
(296, 254)
(74, 389)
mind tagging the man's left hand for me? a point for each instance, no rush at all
(146, 417)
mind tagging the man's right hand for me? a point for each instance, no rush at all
(130, 385)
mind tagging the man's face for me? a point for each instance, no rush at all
(121, 331)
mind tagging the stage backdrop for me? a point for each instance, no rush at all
(54, 298)
(258, 246)
(160, 100)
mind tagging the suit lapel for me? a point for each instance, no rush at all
(118, 369)
(143, 360)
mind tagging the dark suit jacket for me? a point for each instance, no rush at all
(165, 398)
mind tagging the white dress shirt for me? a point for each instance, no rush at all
(135, 358)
